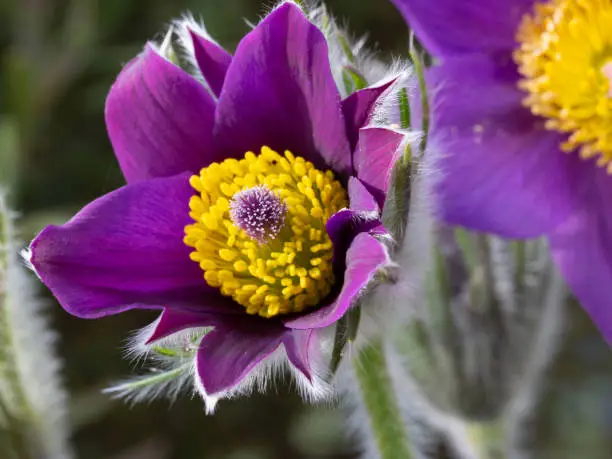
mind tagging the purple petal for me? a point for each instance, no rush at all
(500, 170)
(279, 91)
(212, 60)
(125, 250)
(172, 321)
(357, 109)
(376, 153)
(344, 226)
(363, 259)
(297, 344)
(360, 198)
(447, 27)
(227, 354)
(159, 119)
(582, 249)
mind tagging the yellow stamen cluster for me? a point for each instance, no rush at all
(282, 275)
(565, 55)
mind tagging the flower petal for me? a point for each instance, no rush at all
(279, 91)
(376, 153)
(364, 258)
(172, 321)
(212, 60)
(447, 27)
(357, 109)
(297, 344)
(344, 226)
(499, 169)
(125, 250)
(227, 354)
(582, 249)
(360, 198)
(159, 119)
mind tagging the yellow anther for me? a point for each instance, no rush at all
(228, 255)
(276, 277)
(316, 261)
(207, 264)
(565, 59)
(196, 183)
(316, 212)
(225, 276)
(210, 221)
(240, 266)
(212, 278)
(273, 308)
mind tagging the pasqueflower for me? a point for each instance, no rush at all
(252, 204)
(521, 127)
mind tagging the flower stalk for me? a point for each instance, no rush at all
(487, 439)
(380, 403)
(32, 401)
(487, 305)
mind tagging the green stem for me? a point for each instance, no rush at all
(419, 68)
(381, 404)
(487, 439)
(12, 439)
(15, 416)
(520, 257)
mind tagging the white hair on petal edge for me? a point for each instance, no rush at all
(26, 257)
(138, 346)
(364, 61)
(386, 111)
(171, 364)
(317, 388)
(272, 369)
(391, 305)
(182, 28)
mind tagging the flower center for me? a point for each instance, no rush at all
(259, 212)
(259, 230)
(565, 58)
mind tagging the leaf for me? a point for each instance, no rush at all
(153, 385)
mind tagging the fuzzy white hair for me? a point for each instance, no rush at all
(273, 368)
(30, 383)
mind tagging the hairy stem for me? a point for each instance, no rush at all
(33, 411)
(487, 439)
(380, 403)
(9, 375)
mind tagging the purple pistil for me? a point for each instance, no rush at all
(259, 212)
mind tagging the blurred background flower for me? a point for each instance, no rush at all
(58, 58)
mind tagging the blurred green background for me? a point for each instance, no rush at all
(58, 59)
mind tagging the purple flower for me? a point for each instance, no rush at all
(521, 126)
(251, 208)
